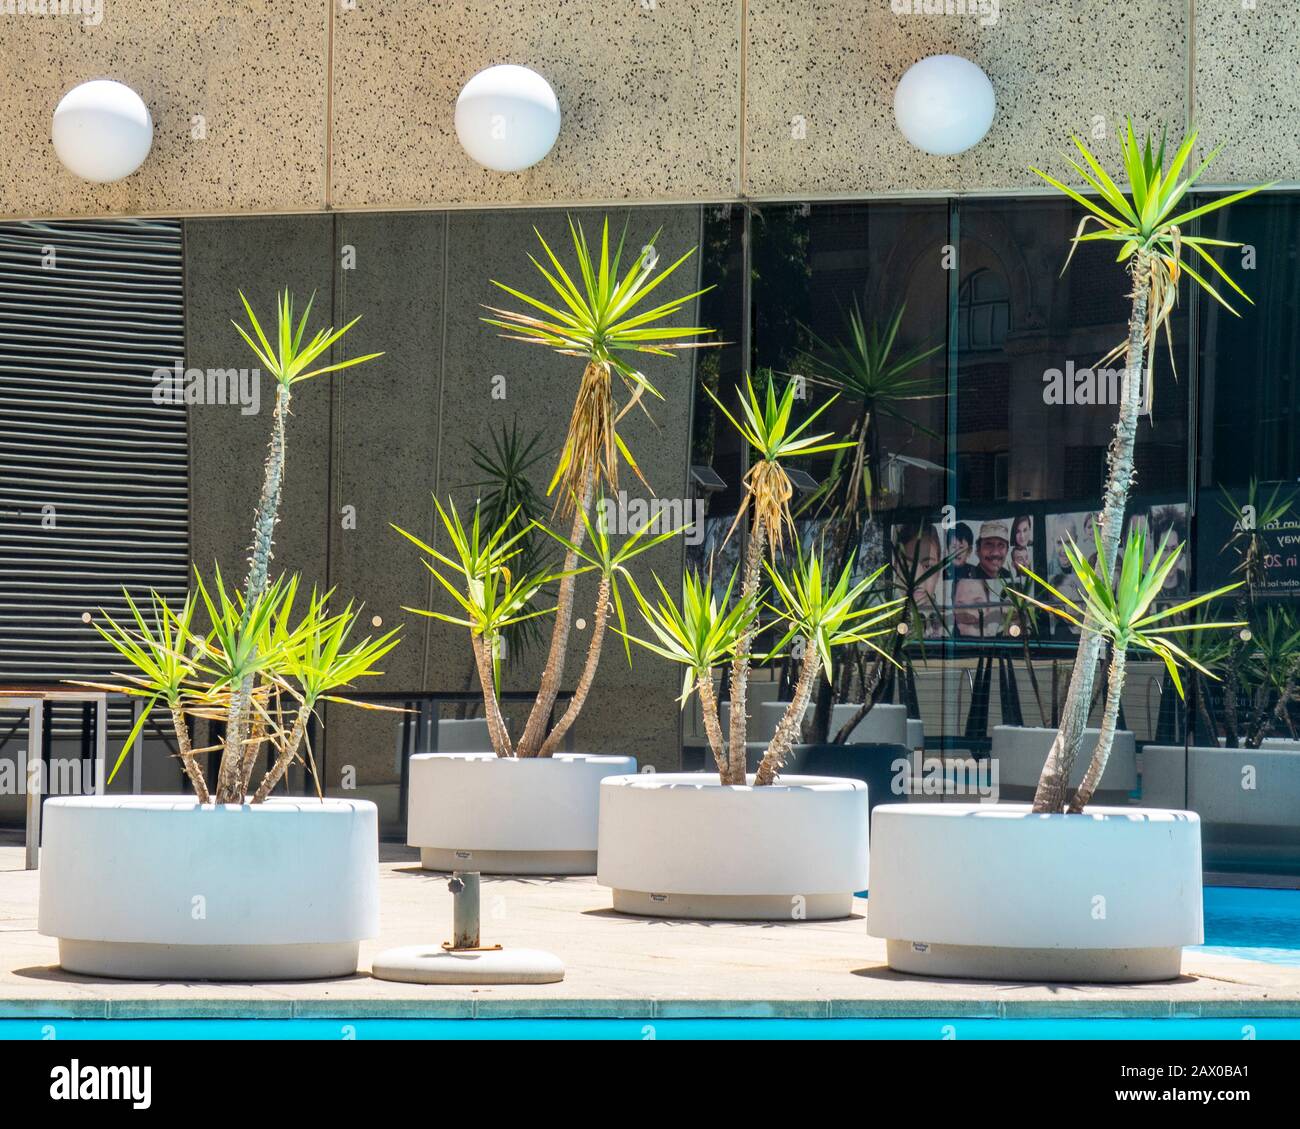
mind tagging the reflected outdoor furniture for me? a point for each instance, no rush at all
(34, 699)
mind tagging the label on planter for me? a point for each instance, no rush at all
(658, 897)
(464, 854)
(920, 947)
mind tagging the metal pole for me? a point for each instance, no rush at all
(35, 779)
(465, 909)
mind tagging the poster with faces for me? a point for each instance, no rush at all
(966, 595)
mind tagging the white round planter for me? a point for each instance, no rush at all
(508, 815)
(683, 845)
(1021, 750)
(996, 892)
(165, 888)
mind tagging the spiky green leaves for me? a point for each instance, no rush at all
(610, 561)
(289, 360)
(766, 425)
(700, 632)
(829, 613)
(1148, 226)
(1120, 610)
(604, 315)
(603, 318)
(158, 650)
(479, 577)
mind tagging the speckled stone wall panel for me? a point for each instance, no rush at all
(237, 92)
(388, 272)
(1247, 93)
(649, 92)
(228, 447)
(822, 75)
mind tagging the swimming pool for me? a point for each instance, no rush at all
(647, 1029)
(1252, 924)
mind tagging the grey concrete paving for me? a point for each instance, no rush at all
(616, 967)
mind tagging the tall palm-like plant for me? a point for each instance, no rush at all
(289, 360)
(605, 319)
(1119, 611)
(767, 425)
(1148, 225)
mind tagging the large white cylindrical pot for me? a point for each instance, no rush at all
(1019, 752)
(996, 892)
(684, 845)
(165, 888)
(508, 815)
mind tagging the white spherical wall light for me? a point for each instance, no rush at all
(944, 104)
(102, 130)
(507, 118)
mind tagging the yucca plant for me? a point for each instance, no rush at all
(1250, 521)
(1148, 225)
(1120, 611)
(236, 670)
(605, 319)
(159, 650)
(864, 368)
(701, 634)
(509, 499)
(1270, 673)
(767, 425)
(315, 659)
(823, 614)
(290, 360)
(491, 596)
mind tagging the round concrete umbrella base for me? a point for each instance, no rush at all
(432, 964)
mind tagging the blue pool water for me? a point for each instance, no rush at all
(644, 1029)
(1252, 924)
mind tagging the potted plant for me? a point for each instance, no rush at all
(742, 845)
(524, 806)
(1148, 225)
(231, 883)
(1102, 894)
(1244, 784)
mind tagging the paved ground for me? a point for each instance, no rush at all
(617, 967)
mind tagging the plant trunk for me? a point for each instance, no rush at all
(739, 682)
(599, 620)
(868, 702)
(1055, 779)
(548, 689)
(791, 720)
(1106, 740)
(497, 731)
(229, 778)
(285, 758)
(713, 727)
(186, 750)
